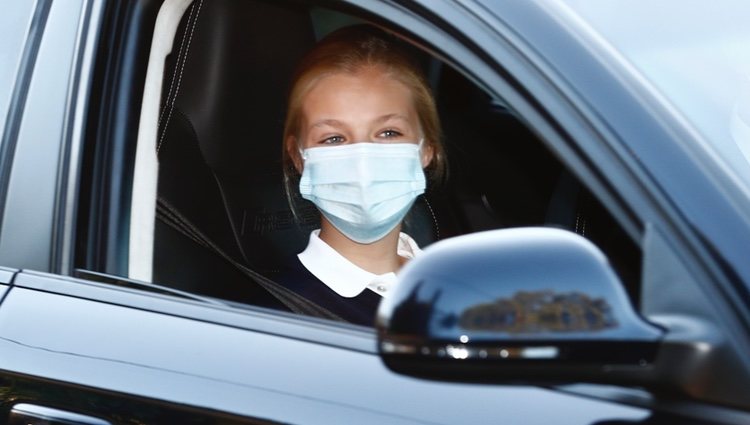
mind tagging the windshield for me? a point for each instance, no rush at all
(697, 54)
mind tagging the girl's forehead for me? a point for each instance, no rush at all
(372, 92)
(367, 77)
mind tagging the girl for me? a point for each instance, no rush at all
(361, 131)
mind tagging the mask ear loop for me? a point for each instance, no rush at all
(302, 153)
(419, 148)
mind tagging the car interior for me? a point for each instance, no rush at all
(222, 223)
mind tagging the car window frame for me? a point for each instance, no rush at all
(470, 60)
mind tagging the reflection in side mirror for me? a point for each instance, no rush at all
(532, 305)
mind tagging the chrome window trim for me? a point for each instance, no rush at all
(69, 168)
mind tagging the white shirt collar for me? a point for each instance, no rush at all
(344, 277)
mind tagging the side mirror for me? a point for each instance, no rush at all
(530, 305)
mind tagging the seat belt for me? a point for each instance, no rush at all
(294, 302)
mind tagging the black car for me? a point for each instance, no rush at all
(587, 260)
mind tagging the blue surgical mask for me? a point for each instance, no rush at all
(363, 189)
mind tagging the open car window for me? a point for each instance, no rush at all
(208, 212)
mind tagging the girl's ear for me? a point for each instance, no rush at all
(292, 149)
(427, 154)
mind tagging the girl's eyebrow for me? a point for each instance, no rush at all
(332, 122)
(388, 117)
(328, 122)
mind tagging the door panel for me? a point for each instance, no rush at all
(65, 351)
(126, 364)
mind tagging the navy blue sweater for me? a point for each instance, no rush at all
(360, 309)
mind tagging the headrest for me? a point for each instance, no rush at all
(234, 82)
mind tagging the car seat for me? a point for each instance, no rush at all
(219, 135)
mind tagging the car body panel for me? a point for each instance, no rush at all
(213, 366)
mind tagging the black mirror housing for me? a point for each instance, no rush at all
(531, 305)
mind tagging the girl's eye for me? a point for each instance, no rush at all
(390, 134)
(333, 140)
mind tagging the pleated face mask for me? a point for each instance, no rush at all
(363, 189)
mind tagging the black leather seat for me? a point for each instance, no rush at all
(219, 147)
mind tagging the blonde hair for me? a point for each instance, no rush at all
(350, 50)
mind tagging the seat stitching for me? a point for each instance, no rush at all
(179, 80)
(177, 66)
(434, 219)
